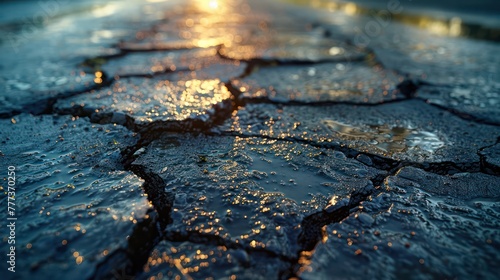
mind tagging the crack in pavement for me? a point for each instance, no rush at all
(312, 228)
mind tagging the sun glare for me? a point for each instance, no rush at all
(213, 4)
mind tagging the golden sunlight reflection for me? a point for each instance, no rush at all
(453, 27)
(305, 261)
(185, 265)
(98, 77)
(350, 8)
(333, 200)
(209, 23)
(191, 98)
(209, 42)
(213, 4)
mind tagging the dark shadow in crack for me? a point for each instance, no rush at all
(312, 228)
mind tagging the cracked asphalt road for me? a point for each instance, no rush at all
(248, 140)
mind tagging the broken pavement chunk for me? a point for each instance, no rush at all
(76, 202)
(149, 100)
(440, 226)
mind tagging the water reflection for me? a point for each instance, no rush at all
(454, 26)
(389, 139)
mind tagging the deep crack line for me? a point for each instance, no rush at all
(154, 187)
(313, 225)
(131, 260)
(148, 232)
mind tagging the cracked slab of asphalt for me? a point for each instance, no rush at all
(421, 224)
(71, 192)
(344, 81)
(148, 100)
(249, 140)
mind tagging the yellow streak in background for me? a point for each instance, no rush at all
(452, 27)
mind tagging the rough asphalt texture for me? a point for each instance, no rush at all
(250, 140)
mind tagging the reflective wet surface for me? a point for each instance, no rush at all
(337, 82)
(416, 230)
(249, 140)
(404, 130)
(74, 201)
(154, 99)
(396, 139)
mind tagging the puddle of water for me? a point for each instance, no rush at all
(234, 218)
(389, 139)
(297, 183)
